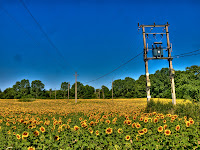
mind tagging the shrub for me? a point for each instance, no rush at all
(190, 109)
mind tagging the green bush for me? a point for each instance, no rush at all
(26, 100)
(190, 109)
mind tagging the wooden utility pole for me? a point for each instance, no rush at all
(68, 89)
(103, 91)
(156, 56)
(55, 93)
(146, 66)
(76, 87)
(112, 89)
(171, 70)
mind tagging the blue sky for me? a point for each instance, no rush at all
(93, 37)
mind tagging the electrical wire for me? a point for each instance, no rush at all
(114, 69)
(45, 34)
(184, 54)
(28, 34)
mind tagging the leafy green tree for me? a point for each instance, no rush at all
(9, 93)
(107, 92)
(88, 92)
(36, 87)
(24, 87)
(160, 84)
(140, 87)
(80, 90)
(64, 87)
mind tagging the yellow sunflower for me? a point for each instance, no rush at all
(109, 130)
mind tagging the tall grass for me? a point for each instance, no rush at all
(189, 109)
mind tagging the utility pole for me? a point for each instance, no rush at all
(112, 89)
(158, 54)
(171, 70)
(55, 93)
(68, 89)
(103, 91)
(146, 66)
(76, 87)
(99, 94)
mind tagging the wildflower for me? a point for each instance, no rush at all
(164, 121)
(18, 136)
(25, 134)
(30, 127)
(9, 132)
(129, 122)
(137, 126)
(187, 123)
(133, 125)
(141, 118)
(56, 138)
(162, 117)
(76, 128)
(119, 130)
(191, 121)
(160, 129)
(146, 120)
(177, 127)
(91, 123)
(167, 132)
(97, 132)
(109, 130)
(31, 148)
(165, 126)
(91, 131)
(145, 130)
(42, 129)
(84, 125)
(125, 122)
(108, 121)
(127, 137)
(155, 120)
(36, 133)
(141, 132)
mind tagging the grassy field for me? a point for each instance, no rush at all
(93, 124)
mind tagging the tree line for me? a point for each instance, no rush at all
(187, 84)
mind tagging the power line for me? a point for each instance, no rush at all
(115, 69)
(187, 53)
(32, 38)
(45, 34)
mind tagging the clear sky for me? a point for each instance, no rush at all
(93, 37)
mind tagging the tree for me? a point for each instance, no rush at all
(88, 92)
(9, 93)
(107, 92)
(37, 86)
(24, 87)
(64, 87)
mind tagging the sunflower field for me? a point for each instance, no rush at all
(93, 124)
